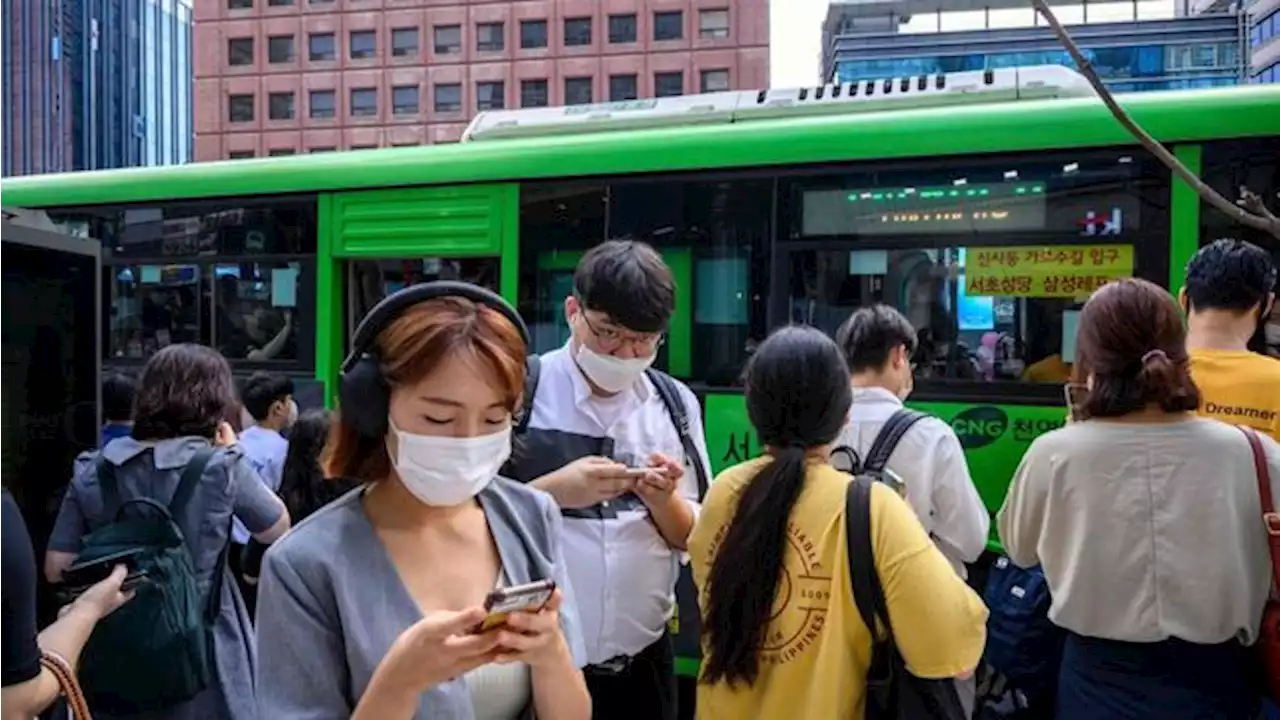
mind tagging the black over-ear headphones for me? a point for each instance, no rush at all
(363, 392)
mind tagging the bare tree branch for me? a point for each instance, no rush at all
(1249, 210)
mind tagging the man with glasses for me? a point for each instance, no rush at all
(620, 447)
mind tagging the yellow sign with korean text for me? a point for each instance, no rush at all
(1066, 271)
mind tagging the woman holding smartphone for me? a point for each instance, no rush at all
(374, 607)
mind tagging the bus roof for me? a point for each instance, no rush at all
(1181, 116)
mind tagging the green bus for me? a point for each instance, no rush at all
(984, 205)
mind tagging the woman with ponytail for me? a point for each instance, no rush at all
(781, 635)
(1147, 522)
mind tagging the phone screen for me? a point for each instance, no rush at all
(520, 598)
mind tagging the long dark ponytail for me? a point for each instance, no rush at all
(798, 398)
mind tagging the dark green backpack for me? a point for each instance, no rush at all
(156, 650)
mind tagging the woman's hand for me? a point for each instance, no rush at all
(533, 638)
(439, 648)
(103, 597)
(226, 435)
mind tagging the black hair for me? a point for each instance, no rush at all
(628, 281)
(118, 391)
(871, 333)
(184, 389)
(303, 486)
(798, 399)
(1230, 274)
(262, 390)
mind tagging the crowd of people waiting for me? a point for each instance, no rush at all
(339, 564)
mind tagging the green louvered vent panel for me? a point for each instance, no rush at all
(448, 221)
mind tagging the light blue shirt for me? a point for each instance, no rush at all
(265, 449)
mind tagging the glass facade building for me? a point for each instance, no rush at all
(95, 84)
(1182, 53)
(1264, 40)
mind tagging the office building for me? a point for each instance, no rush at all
(95, 84)
(862, 41)
(1264, 40)
(277, 77)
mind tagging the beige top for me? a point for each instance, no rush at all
(1145, 532)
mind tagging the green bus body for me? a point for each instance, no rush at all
(464, 200)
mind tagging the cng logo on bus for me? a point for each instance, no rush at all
(980, 426)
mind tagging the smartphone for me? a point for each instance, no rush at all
(90, 572)
(530, 597)
(131, 582)
(638, 473)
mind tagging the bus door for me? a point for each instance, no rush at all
(51, 363)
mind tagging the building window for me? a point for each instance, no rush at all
(281, 152)
(533, 93)
(280, 106)
(364, 147)
(279, 3)
(322, 104)
(713, 24)
(240, 52)
(668, 84)
(448, 98)
(404, 42)
(240, 5)
(364, 44)
(622, 29)
(577, 91)
(315, 150)
(321, 46)
(668, 25)
(623, 87)
(280, 49)
(533, 34)
(241, 154)
(491, 95)
(577, 31)
(447, 39)
(489, 37)
(404, 100)
(714, 81)
(364, 102)
(240, 108)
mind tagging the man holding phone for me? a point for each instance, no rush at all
(620, 447)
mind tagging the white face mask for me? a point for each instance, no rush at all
(1272, 333)
(291, 416)
(610, 373)
(447, 471)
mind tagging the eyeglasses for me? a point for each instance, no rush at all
(611, 340)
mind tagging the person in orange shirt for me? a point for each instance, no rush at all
(1229, 290)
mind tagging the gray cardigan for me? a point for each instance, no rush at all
(330, 604)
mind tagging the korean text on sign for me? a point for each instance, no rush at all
(1046, 270)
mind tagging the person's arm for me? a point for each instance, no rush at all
(70, 525)
(962, 522)
(938, 622)
(1021, 518)
(676, 515)
(302, 671)
(254, 504)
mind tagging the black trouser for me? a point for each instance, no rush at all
(641, 687)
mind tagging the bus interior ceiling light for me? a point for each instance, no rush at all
(735, 106)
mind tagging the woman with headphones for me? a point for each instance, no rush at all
(382, 604)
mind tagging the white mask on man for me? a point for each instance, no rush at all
(1272, 333)
(609, 373)
(446, 471)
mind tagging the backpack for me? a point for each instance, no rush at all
(1024, 648)
(156, 650)
(875, 465)
(668, 391)
(1268, 644)
(893, 693)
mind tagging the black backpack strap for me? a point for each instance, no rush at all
(532, 373)
(671, 398)
(191, 475)
(887, 439)
(867, 594)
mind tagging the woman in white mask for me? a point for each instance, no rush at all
(373, 607)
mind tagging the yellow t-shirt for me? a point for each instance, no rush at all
(816, 650)
(1048, 370)
(1239, 387)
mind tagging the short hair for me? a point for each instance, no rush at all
(1132, 343)
(184, 389)
(1230, 274)
(414, 344)
(118, 392)
(871, 333)
(262, 390)
(628, 281)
